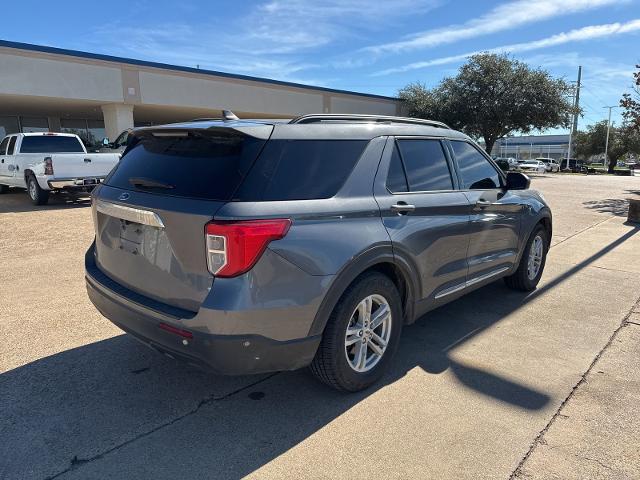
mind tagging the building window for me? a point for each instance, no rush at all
(34, 124)
(8, 125)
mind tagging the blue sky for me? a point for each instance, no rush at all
(362, 45)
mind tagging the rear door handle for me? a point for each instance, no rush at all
(402, 208)
(87, 160)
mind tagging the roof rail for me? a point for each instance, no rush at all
(331, 117)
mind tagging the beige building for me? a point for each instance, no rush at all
(50, 89)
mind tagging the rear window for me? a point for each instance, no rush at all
(301, 169)
(50, 144)
(208, 166)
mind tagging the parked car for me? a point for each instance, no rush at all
(46, 162)
(119, 144)
(551, 165)
(534, 166)
(575, 166)
(256, 246)
(511, 162)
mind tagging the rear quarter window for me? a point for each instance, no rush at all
(301, 169)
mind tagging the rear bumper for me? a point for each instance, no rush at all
(223, 354)
(74, 183)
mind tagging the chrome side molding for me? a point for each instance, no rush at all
(468, 283)
(131, 214)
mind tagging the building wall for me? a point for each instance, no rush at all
(65, 86)
(29, 75)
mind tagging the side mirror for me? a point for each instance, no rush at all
(105, 141)
(517, 181)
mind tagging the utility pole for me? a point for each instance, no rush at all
(606, 142)
(576, 104)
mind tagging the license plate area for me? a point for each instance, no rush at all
(131, 237)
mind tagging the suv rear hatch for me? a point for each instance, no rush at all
(150, 213)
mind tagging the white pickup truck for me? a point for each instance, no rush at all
(45, 162)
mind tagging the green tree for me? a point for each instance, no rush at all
(631, 103)
(622, 141)
(493, 96)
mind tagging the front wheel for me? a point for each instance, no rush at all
(38, 195)
(532, 262)
(361, 336)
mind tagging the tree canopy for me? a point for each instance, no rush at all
(631, 103)
(493, 96)
(622, 141)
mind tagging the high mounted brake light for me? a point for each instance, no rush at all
(233, 248)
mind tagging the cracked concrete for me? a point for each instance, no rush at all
(472, 387)
(597, 435)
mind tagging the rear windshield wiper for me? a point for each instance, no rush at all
(148, 183)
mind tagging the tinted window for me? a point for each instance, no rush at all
(476, 171)
(50, 144)
(426, 165)
(396, 178)
(12, 145)
(3, 146)
(301, 169)
(196, 166)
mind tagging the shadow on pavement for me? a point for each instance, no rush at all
(68, 410)
(17, 200)
(615, 206)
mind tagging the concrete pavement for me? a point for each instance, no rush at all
(472, 388)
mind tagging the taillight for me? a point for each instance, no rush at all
(48, 166)
(233, 248)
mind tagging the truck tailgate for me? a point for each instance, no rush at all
(82, 165)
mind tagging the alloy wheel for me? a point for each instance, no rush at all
(535, 257)
(368, 333)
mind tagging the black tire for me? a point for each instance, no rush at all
(38, 195)
(330, 364)
(4, 189)
(520, 280)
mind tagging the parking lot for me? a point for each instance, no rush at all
(498, 384)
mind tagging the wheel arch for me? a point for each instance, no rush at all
(380, 259)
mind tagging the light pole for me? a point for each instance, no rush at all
(606, 142)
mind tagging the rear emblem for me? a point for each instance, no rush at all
(124, 196)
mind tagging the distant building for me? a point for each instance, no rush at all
(532, 146)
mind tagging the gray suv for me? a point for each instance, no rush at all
(255, 246)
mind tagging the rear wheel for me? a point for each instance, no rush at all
(361, 336)
(38, 195)
(4, 189)
(529, 271)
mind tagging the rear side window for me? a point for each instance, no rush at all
(475, 170)
(301, 169)
(396, 178)
(3, 146)
(12, 145)
(426, 165)
(50, 144)
(209, 166)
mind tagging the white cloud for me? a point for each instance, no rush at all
(507, 16)
(577, 35)
(274, 40)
